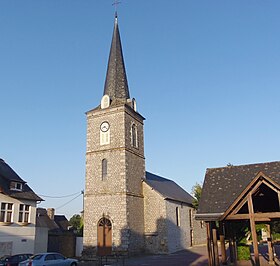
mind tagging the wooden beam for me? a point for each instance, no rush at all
(260, 216)
(269, 246)
(223, 249)
(215, 244)
(253, 229)
(253, 186)
(223, 243)
(209, 245)
(279, 199)
(231, 252)
(239, 206)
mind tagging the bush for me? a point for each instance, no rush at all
(276, 236)
(243, 252)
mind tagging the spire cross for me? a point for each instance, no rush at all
(116, 3)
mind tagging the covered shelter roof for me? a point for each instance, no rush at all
(234, 194)
(222, 186)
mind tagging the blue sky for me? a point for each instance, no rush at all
(205, 75)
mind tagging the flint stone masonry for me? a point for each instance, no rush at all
(141, 217)
(118, 196)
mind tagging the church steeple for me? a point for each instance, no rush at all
(116, 85)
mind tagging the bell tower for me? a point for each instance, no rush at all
(115, 165)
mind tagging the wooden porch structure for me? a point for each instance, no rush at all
(258, 202)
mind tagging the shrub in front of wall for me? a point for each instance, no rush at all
(243, 252)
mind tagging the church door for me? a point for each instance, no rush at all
(104, 237)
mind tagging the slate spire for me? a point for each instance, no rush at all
(116, 85)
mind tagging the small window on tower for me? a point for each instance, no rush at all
(104, 169)
(134, 137)
(178, 222)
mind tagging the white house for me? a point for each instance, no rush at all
(18, 213)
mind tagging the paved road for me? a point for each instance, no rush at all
(195, 256)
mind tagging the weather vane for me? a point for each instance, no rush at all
(116, 3)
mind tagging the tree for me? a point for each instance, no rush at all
(196, 193)
(76, 222)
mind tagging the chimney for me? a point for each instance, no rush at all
(50, 212)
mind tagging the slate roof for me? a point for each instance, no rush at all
(62, 222)
(168, 188)
(223, 185)
(7, 175)
(116, 85)
(43, 220)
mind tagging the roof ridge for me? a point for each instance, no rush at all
(241, 165)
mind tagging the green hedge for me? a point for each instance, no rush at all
(243, 252)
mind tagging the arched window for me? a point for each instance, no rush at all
(104, 169)
(134, 141)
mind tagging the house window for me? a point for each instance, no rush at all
(134, 140)
(16, 186)
(104, 169)
(6, 212)
(178, 222)
(24, 213)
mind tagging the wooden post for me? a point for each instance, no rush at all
(235, 250)
(209, 245)
(269, 246)
(222, 241)
(231, 253)
(223, 249)
(215, 244)
(253, 229)
(279, 198)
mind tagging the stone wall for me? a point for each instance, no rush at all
(179, 232)
(118, 195)
(199, 232)
(155, 221)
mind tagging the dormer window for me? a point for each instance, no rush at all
(16, 186)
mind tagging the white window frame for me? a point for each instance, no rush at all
(16, 186)
(24, 213)
(7, 209)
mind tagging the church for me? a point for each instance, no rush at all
(126, 209)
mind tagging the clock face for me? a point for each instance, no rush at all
(104, 127)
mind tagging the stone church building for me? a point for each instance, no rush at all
(126, 209)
